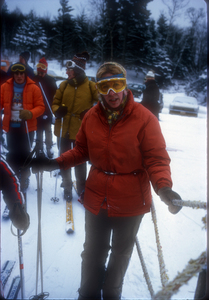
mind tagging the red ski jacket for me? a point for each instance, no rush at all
(125, 158)
(9, 185)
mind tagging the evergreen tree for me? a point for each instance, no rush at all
(134, 33)
(83, 38)
(30, 36)
(47, 25)
(100, 25)
(112, 15)
(64, 33)
(10, 21)
(162, 29)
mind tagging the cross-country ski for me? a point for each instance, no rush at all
(6, 272)
(14, 289)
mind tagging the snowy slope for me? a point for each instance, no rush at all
(182, 236)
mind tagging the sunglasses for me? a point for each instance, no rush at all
(117, 85)
(41, 66)
(18, 67)
(71, 64)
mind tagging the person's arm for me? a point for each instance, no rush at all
(13, 198)
(57, 101)
(10, 185)
(78, 155)
(38, 104)
(157, 164)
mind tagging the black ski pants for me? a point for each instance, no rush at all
(19, 149)
(44, 126)
(98, 279)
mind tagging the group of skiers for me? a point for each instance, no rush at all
(97, 122)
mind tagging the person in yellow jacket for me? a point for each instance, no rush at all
(75, 96)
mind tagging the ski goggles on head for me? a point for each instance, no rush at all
(117, 85)
(41, 66)
(70, 64)
(18, 68)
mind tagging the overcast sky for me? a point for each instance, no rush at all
(50, 7)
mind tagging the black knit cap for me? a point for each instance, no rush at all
(25, 55)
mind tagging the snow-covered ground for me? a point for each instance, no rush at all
(182, 236)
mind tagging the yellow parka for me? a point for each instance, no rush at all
(77, 99)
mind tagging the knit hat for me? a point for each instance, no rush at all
(150, 74)
(42, 65)
(25, 55)
(110, 67)
(80, 59)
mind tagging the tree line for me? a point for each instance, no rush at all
(121, 30)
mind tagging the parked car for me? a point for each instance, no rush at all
(5, 65)
(91, 78)
(184, 105)
(136, 88)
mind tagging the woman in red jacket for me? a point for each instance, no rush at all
(22, 103)
(123, 140)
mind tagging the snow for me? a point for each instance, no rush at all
(182, 236)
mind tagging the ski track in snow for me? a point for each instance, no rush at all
(182, 236)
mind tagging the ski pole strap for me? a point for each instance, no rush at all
(23, 232)
(193, 204)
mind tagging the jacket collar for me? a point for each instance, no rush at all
(127, 109)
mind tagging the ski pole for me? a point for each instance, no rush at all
(53, 119)
(39, 239)
(26, 125)
(56, 199)
(39, 243)
(20, 251)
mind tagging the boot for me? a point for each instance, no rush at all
(68, 194)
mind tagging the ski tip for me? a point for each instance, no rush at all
(69, 229)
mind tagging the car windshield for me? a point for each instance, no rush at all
(187, 100)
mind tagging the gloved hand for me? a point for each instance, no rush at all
(167, 195)
(43, 163)
(25, 114)
(61, 112)
(19, 217)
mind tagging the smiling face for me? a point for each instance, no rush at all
(113, 99)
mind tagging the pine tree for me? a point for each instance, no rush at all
(64, 33)
(10, 22)
(162, 29)
(83, 38)
(30, 36)
(133, 22)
